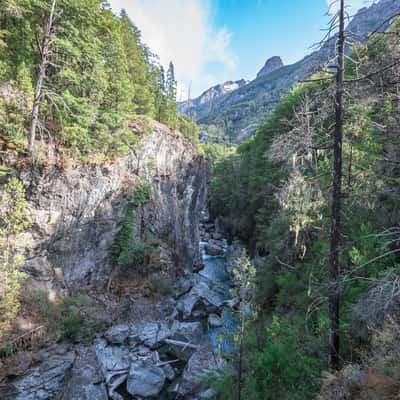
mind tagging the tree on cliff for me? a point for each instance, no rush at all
(171, 96)
(45, 51)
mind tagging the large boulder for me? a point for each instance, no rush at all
(202, 361)
(189, 331)
(214, 249)
(145, 379)
(152, 334)
(200, 301)
(215, 321)
(184, 341)
(114, 362)
(117, 334)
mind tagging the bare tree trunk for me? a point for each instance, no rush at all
(44, 61)
(334, 287)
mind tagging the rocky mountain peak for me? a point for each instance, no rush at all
(270, 65)
(220, 89)
(202, 103)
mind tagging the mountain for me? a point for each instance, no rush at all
(201, 105)
(270, 65)
(240, 111)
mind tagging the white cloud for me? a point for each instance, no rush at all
(352, 6)
(181, 31)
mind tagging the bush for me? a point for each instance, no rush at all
(63, 317)
(282, 369)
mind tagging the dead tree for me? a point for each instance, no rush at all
(45, 53)
(334, 273)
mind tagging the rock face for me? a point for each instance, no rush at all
(270, 65)
(44, 381)
(77, 213)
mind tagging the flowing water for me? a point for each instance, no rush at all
(215, 270)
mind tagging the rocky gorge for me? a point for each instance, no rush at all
(150, 347)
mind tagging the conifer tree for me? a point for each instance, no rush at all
(161, 96)
(171, 97)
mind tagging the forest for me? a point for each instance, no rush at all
(274, 192)
(88, 74)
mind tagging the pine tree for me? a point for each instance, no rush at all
(161, 96)
(171, 97)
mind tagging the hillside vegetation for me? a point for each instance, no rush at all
(98, 75)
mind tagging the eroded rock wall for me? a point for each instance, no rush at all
(77, 213)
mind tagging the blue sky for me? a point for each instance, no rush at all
(211, 41)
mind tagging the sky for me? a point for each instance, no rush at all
(213, 41)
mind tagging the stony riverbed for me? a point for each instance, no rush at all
(158, 351)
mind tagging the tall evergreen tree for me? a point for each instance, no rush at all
(171, 97)
(161, 96)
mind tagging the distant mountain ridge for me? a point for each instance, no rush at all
(238, 112)
(201, 104)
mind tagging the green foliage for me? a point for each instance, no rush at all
(14, 219)
(127, 250)
(274, 193)
(63, 317)
(282, 369)
(171, 109)
(188, 127)
(100, 76)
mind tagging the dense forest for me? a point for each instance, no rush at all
(84, 72)
(274, 193)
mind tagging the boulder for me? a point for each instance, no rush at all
(145, 379)
(214, 250)
(185, 332)
(189, 331)
(214, 321)
(200, 301)
(152, 334)
(203, 291)
(86, 380)
(200, 362)
(186, 305)
(114, 362)
(216, 236)
(117, 334)
(112, 358)
(169, 372)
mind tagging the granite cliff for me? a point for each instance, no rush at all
(78, 212)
